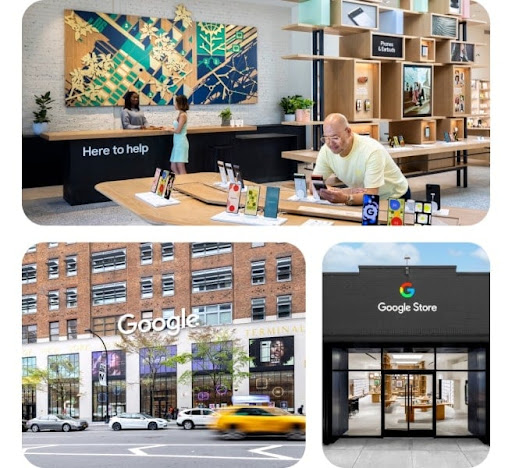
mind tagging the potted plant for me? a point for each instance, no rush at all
(303, 112)
(289, 105)
(41, 118)
(225, 115)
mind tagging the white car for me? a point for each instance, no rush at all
(136, 421)
(193, 417)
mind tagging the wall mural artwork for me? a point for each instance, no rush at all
(107, 55)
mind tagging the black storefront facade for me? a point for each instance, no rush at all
(406, 353)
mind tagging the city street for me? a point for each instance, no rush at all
(101, 446)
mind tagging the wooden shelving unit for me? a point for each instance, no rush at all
(479, 123)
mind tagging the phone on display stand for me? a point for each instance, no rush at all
(301, 190)
(370, 210)
(271, 202)
(396, 211)
(422, 213)
(360, 18)
(156, 178)
(318, 184)
(433, 195)
(251, 201)
(169, 186)
(234, 193)
(222, 172)
(230, 172)
(238, 175)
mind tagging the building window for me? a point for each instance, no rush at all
(111, 293)
(284, 269)
(29, 273)
(146, 253)
(146, 287)
(203, 249)
(211, 280)
(72, 329)
(257, 244)
(108, 260)
(284, 306)
(258, 308)
(105, 326)
(32, 248)
(71, 265)
(258, 272)
(71, 298)
(29, 334)
(217, 314)
(52, 245)
(167, 251)
(54, 331)
(29, 304)
(168, 284)
(53, 300)
(53, 268)
(167, 313)
(27, 364)
(146, 315)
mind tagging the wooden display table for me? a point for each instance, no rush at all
(375, 397)
(201, 199)
(440, 410)
(420, 160)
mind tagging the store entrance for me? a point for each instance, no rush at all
(408, 404)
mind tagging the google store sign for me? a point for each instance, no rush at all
(406, 291)
(172, 324)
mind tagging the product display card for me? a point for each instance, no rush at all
(396, 209)
(271, 202)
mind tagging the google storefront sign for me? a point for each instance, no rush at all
(406, 291)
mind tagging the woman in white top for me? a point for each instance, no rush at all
(131, 115)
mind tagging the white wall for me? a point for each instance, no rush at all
(43, 60)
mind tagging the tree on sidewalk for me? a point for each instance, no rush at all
(153, 349)
(219, 363)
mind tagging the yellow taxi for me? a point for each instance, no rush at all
(236, 422)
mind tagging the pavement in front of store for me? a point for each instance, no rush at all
(406, 452)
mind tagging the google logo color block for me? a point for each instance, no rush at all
(406, 290)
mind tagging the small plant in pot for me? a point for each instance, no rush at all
(226, 115)
(41, 118)
(303, 112)
(289, 105)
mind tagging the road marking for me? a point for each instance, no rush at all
(263, 451)
(138, 450)
(39, 447)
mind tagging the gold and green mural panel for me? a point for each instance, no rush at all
(110, 54)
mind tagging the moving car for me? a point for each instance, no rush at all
(136, 421)
(236, 422)
(193, 417)
(56, 422)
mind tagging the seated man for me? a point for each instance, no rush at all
(360, 162)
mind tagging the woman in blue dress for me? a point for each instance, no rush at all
(179, 154)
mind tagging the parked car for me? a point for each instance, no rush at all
(24, 427)
(56, 422)
(190, 418)
(136, 421)
(236, 422)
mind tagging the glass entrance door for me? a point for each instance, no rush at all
(408, 403)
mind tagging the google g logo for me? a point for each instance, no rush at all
(406, 290)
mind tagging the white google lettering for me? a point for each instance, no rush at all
(173, 324)
(404, 307)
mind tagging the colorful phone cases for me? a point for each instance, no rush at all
(396, 209)
(156, 178)
(422, 213)
(251, 202)
(271, 202)
(233, 202)
(169, 185)
(301, 190)
(370, 210)
(162, 183)
(222, 172)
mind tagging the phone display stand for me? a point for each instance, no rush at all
(156, 200)
(249, 220)
(224, 185)
(309, 199)
(317, 222)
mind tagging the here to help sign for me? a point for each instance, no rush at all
(102, 374)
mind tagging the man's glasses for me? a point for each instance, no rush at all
(334, 139)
